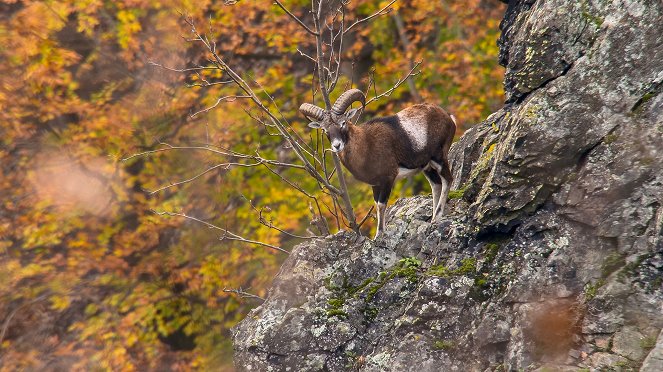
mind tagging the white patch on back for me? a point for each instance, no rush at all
(414, 124)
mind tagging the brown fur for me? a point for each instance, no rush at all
(375, 150)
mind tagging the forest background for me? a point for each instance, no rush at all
(90, 276)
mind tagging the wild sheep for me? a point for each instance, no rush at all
(382, 150)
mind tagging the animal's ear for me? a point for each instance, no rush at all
(350, 114)
(314, 125)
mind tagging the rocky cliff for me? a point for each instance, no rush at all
(550, 255)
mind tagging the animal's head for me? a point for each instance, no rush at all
(336, 121)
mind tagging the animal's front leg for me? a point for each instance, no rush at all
(381, 197)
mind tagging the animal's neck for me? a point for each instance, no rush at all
(349, 155)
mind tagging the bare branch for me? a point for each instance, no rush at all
(398, 83)
(227, 234)
(306, 55)
(208, 84)
(341, 35)
(169, 148)
(367, 215)
(190, 69)
(224, 152)
(347, 209)
(224, 98)
(297, 148)
(243, 294)
(385, 10)
(294, 17)
(263, 221)
(9, 318)
(225, 166)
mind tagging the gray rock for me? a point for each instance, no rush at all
(628, 342)
(654, 361)
(605, 361)
(552, 257)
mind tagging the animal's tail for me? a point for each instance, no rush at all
(453, 118)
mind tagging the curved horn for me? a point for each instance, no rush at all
(312, 111)
(346, 99)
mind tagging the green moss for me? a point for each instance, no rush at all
(336, 302)
(439, 270)
(500, 368)
(329, 285)
(457, 194)
(491, 250)
(630, 269)
(611, 263)
(648, 343)
(610, 138)
(596, 20)
(621, 364)
(467, 267)
(443, 345)
(592, 289)
(647, 96)
(646, 160)
(337, 312)
(480, 282)
(481, 165)
(405, 268)
(353, 291)
(370, 312)
(651, 93)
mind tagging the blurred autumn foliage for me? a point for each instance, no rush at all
(90, 276)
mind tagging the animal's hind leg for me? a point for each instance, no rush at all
(443, 173)
(447, 178)
(435, 181)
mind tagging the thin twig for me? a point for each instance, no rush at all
(263, 221)
(225, 166)
(380, 12)
(227, 234)
(5, 325)
(398, 84)
(189, 69)
(306, 55)
(367, 215)
(231, 98)
(206, 83)
(224, 152)
(294, 17)
(242, 293)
